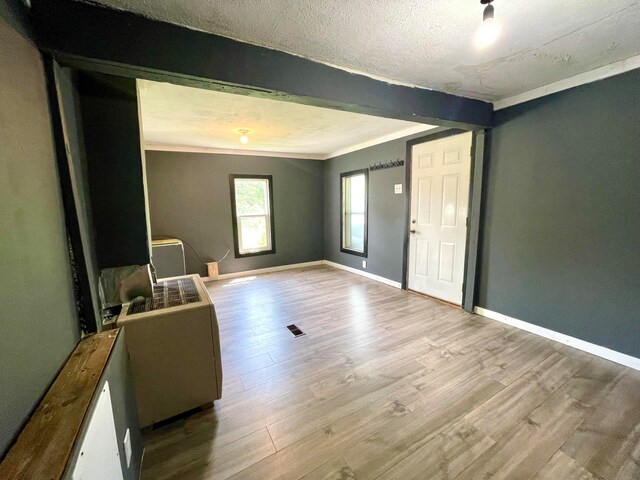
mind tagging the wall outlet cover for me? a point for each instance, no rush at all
(397, 188)
(364, 264)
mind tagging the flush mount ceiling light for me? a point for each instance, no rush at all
(244, 139)
(489, 30)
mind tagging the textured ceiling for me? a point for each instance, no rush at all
(428, 43)
(173, 115)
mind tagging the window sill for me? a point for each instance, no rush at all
(254, 254)
(354, 252)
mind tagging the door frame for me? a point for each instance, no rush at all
(473, 217)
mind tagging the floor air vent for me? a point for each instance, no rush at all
(295, 330)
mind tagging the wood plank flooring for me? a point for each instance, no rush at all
(389, 384)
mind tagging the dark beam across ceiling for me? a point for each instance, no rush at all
(16, 14)
(118, 42)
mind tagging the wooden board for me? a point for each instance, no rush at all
(44, 446)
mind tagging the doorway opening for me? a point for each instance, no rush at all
(440, 183)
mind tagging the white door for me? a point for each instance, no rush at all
(438, 230)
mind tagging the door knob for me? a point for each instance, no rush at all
(412, 231)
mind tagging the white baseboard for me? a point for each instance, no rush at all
(377, 278)
(280, 268)
(607, 353)
(617, 357)
(260, 271)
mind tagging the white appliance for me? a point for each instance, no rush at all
(174, 345)
(167, 257)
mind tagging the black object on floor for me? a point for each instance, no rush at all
(295, 330)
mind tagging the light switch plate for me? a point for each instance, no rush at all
(364, 264)
(397, 188)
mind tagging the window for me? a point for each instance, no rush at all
(353, 220)
(252, 209)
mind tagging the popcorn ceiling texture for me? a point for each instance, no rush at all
(177, 115)
(424, 43)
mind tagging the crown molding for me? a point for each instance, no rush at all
(601, 73)
(378, 140)
(162, 147)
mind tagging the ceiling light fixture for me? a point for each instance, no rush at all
(489, 30)
(244, 139)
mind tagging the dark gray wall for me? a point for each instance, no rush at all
(125, 410)
(189, 198)
(108, 107)
(38, 323)
(386, 209)
(561, 227)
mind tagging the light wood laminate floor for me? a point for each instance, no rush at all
(389, 384)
